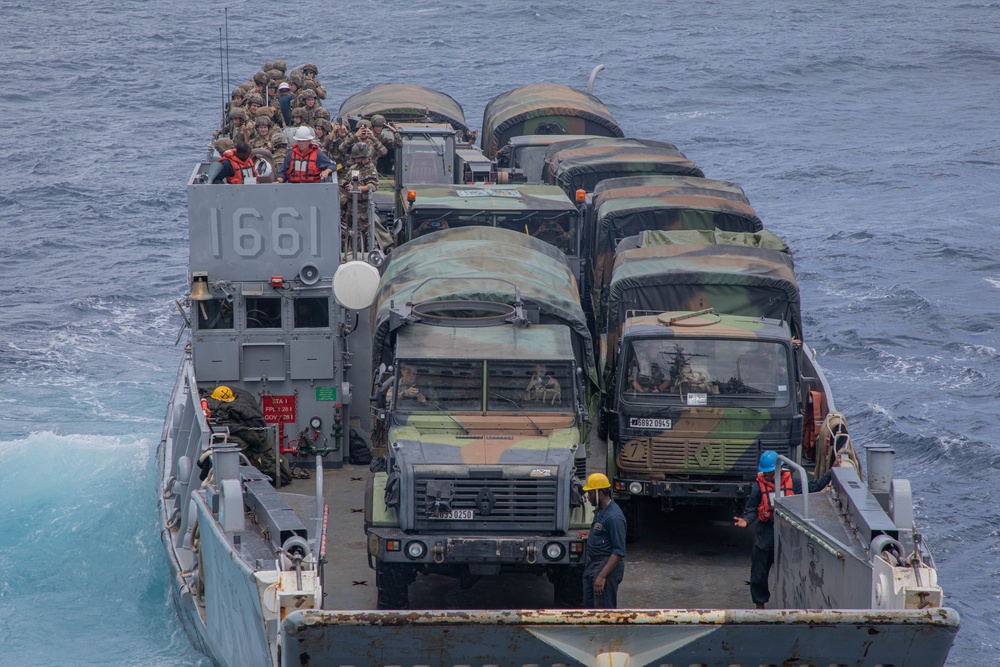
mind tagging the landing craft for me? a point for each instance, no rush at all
(267, 570)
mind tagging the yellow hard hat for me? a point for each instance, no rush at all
(597, 480)
(224, 394)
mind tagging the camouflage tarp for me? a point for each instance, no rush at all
(734, 280)
(762, 239)
(462, 262)
(405, 101)
(628, 206)
(524, 110)
(582, 164)
(490, 198)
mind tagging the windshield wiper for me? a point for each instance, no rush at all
(446, 414)
(518, 406)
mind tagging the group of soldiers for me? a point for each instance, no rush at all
(276, 110)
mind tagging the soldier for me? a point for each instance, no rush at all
(309, 72)
(238, 409)
(320, 112)
(363, 135)
(254, 101)
(280, 66)
(308, 99)
(542, 387)
(604, 553)
(323, 128)
(760, 506)
(305, 163)
(260, 83)
(300, 116)
(262, 138)
(408, 387)
(363, 178)
(237, 129)
(393, 139)
(337, 137)
(279, 147)
(224, 144)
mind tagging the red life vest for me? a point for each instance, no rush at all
(302, 166)
(243, 170)
(766, 506)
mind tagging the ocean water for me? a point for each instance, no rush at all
(863, 133)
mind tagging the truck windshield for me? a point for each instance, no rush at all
(424, 159)
(457, 386)
(532, 386)
(702, 371)
(558, 228)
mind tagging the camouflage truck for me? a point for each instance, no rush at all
(541, 211)
(544, 109)
(481, 355)
(582, 164)
(627, 206)
(703, 366)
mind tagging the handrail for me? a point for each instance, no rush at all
(803, 478)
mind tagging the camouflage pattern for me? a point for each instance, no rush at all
(377, 147)
(542, 273)
(523, 110)
(732, 279)
(405, 102)
(624, 207)
(262, 140)
(582, 164)
(720, 441)
(301, 113)
(505, 206)
(368, 175)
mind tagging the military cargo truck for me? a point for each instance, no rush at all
(703, 365)
(541, 211)
(522, 159)
(481, 356)
(544, 109)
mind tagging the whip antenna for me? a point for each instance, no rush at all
(226, 10)
(222, 79)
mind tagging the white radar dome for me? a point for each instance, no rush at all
(355, 284)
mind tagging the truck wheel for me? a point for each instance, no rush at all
(392, 581)
(567, 583)
(631, 510)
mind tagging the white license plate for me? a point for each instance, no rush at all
(638, 422)
(454, 514)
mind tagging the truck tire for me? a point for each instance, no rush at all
(392, 581)
(630, 508)
(567, 585)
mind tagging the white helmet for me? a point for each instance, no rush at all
(304, 133)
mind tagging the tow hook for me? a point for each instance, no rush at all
(532, 553)
(438, 553)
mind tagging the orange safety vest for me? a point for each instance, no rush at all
(302, 167)
(766, 506)
(242, 169)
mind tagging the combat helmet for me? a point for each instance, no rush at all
(266, 66)
(295, 78)
(361, 149)
(309, 68)
(320, 112)
(378, 119)
(224, 144)
(264, 119)
(301, 112)
(260, 78)
(364, 122)
(279, 140)
(237, 112)
(323, 123)
(280, 65)
(237, 92)
(255, 98)
(308, 93)
(275, 75)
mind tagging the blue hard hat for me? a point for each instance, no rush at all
(768, 460)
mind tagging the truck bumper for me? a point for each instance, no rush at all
(393, 545)
(626, 487)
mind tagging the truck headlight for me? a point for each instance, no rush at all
(635, 488)
(554, 551)
(416, 550)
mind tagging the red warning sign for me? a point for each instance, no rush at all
(278, 408)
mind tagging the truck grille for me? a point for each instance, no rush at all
(699, 457)
(496, 504)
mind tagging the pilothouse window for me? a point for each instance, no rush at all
(312, 313)
(263, 313)
(214, 314)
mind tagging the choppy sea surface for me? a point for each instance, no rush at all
(864, 133)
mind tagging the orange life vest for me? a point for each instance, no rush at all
(302, 167)
(766, 506)
(243, 170)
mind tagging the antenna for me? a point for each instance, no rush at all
(222, 79)
(226, 10)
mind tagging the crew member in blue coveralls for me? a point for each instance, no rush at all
(604, 557)
(760, 506)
